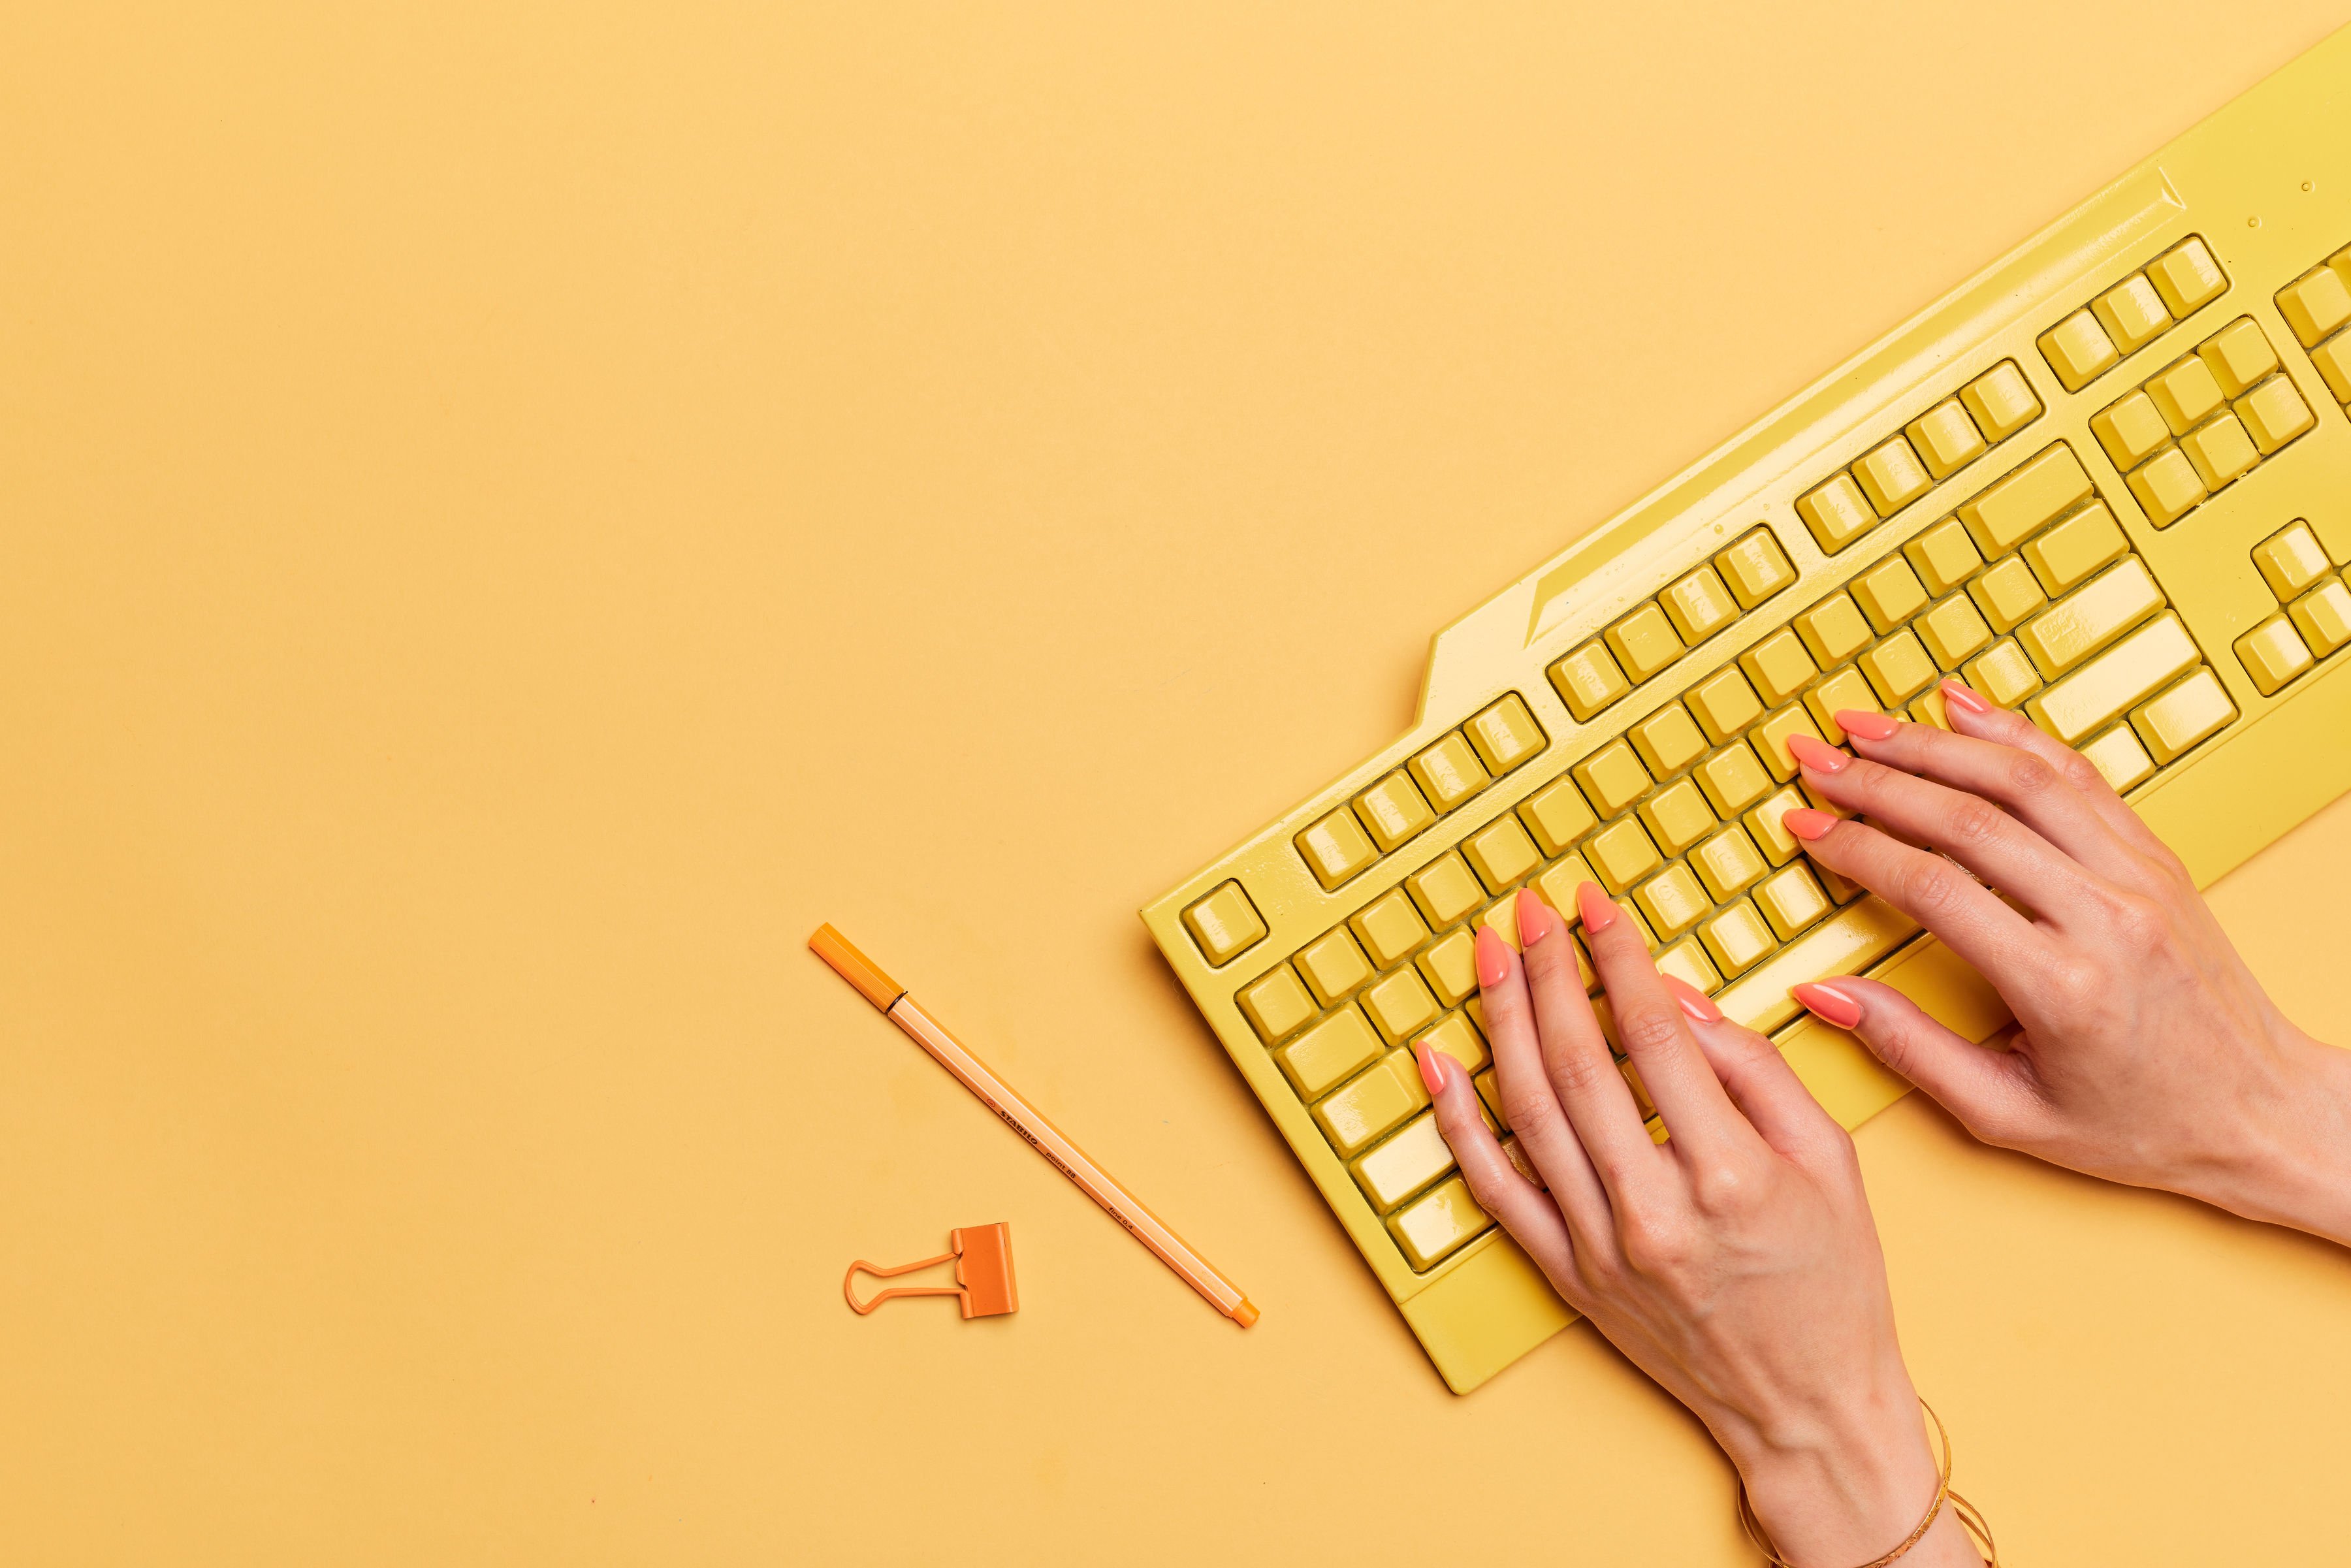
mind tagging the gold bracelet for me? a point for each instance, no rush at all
(1970, 1519)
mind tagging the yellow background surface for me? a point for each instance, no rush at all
(510, 515)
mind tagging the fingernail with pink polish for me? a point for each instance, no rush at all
(1432, 1071)
(1869, 725)
(1817, 755)
(1534, 918)
(1592, 904)
(1493, 957)
(1829, 1004)
(1806, 823)
(1962, 698)
(1694, 1002)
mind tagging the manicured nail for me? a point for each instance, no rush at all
(1592, 904)
(1817, 755)
(1493, 957)
(1695, 1002)
(1962, 698)
(1806, 823)
(1432, 1071)
(1869, 725)
(1829, 1004)
(1534, 918)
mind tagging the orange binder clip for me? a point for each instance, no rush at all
(983, 1260)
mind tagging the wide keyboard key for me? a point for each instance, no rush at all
(2132, 313)
(2289, 561)
(2239, 355)
(1448, 772)
(2084, 620)
(1588, 680)
(1698, 605)
(1946, 439)
(1437, 1226)
(1613, 778)
(1755, 568)
(2075, 548)
(2274, 414)
(1850, 940)
(2130, 430)
(2274, 654)
(1644, 642)
(1892, 476)
(2186, 277)
(2175, 722)
(2322, 616)
(1504, 734)
(2222, 451)
(1277, 1005)
(2166, 487)
(2078, 349)
(1558, 817)
(1837, 513)
(1370, 1103)
(1392, 810)
(2084, 701)
(2000, 401)
(1333, 965)
(1404, 1163)
(2315, 305)
(2034, 495)
(1332, 1052)
(1389, 927)
(1224, 923)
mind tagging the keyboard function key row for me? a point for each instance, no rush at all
(2133, 313)
(1692, 608)
(1899, 470)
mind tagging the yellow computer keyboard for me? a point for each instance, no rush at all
(2108, 482)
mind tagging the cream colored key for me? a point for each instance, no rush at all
(1944, 556)
(2166, 487)
(2132, 313)
(1698, 605)
(1891, 475)
(1668, 741)
(1728, 862)
(1392, 810)
(1450, 968)
(2274, 414)
(1889, 593)
(2240, 356)
(2084, 620)
(2315, 305)
(1790, 900)
(2222, 451)
(2000, 401)
(1504, 734)
(1953, 631)
(1834, 631)
(1448, 772)
(1338, 1048)
(2084, 701)
(1435, 1226)
(1755, 568)
(1501, 853)
(2184, 394)
(1277, 1005)
(1845, 689)
(2078, 349)
(2333, 358)
(1779, 667)
(1676, 816)
(1404, 1163)
(2186, 277)
(2130, 430)
(1620, 855)
(2274, 654)
(2290, 561)
(2003, 673)
(2176, 722)
(2119, 758)
(1389, 927)
(1445, 890)
(1847, 943)
(1373, 1100)
(1558, 817)
(2007, 595)
(1770, 835)
(1588, 680)
(1686, 961)
(1769, 739)
(1400, 1005)
(1336, 848)
(1612, 779)
(2322, 616)
(1724, 704)
(1946, 439)
(1898, 668)
(2071, 551)
(1672, 901)
(1837, 513)
(1644, 642)
(2043, 489)
(1732, 779)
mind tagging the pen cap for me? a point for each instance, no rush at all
(855, 967)
(983, 1269)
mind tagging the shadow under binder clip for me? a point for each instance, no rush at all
(983, 1260)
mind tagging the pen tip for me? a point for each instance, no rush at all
(1245, 1314)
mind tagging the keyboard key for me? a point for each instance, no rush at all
(1952, 631)
(1644, 642)
(1698, 605)
(1277, 1005)
(1837, 513)
(1612, 779)
(2007, 595)
(2119, 758)
(2078, 625)
(1448, 772)
(2186, 277)
(2289, 561)
(1333, 965)
(1946, 439)
(1898, 668)
(1676, 817)
(1738, 938)
(2333, 358)
(1450, 968)
(2100, 690)
(2274, 654)
(1505, 734)
(1728, 862)
(1392, 810)
(1843, 689)
(2000, 401)
(1501, 853)
(1834, 631)
(1779, 667)
(2274, 414)
(1502, 918)
(1944, 556)
(2071, 551)
(1770, 740)
(2185, 395)
(1891, 475)
(1889, 593)
(2132, 313)
(1225, 924)
(1332, 1052)
(1847, 943)
(1373, 1102)
(2239, 355)
(1444, 891)
(1686, 961)
(1770, 836)
(1755, 568)
(2166, 487)
(1672, 901)
(1588, 680)
(1732, 779)
(1930, 708)
(2078, 349)
(1389, 927)
(1400, 1005)
(2040, 491)
(1435, 1226)
(1404, 1163)
(1724, 704)
(1457, 1038)
(1558, 816)
(1790, 900)
(2222, 451)
(2315, 305)
(2130, 430)
(1558, 884)
(2174, 722)
(1621, 855)
(2004, 674)
(2322, 616)
(1668, 741)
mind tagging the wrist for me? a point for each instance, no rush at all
(1845, 1485)
(2294, 1168)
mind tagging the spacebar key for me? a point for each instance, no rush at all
(1848, 942)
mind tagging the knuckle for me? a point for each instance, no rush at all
(1721, 1187)
(2080, 774)
(2028, 776)
(1930, 887)
(1576, 1073)
(1527, 1114)
(2078, 984)
(2141, 924)
(1977, 822)
(1647, 1030)
(1654, 1244)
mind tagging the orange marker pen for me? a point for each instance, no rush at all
(1026, 1120)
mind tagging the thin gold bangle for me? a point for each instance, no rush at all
(1970, 1519)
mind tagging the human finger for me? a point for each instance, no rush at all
(1655, 1034)
(1983, 1087)
(1531, 1106)
(1755, 1076)
(1517, 1204)
(1972, 716)
(1971, 921)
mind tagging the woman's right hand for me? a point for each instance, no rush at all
(2148, 1053)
